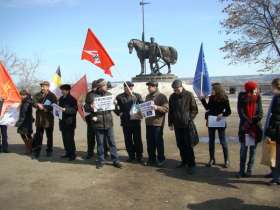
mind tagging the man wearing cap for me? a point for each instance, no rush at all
(67, 124)
(102, 122)
(131, 124)
(90, 130)
(154, 125)
(43, 101)
(182, 109)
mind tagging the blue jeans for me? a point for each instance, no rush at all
(101, 136)
(243, 157)
(4, 137)
(276, 170)
(155, 143)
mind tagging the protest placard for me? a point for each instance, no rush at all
(105, 103)
(57, 111)
(147, 109)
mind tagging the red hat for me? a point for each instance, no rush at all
(250, 85)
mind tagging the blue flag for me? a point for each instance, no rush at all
(201, 81)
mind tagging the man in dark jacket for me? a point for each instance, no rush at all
(43, 101)
(102, 122)
(131, 124)
(250, 112)
(67, 124)
(182, 110)
(155, 125)
(25, 121)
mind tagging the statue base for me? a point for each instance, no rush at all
(158, 78)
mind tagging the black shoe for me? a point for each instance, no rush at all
(5, 151)
(240, 175)
(88, 156)
(72, 157)
(139, 160)
(274, 182)
(191, 170)
(211, 162)
(150, 163)
(64, 156)
(99, 165)
(130, 160)
(117, 164)
(227, 164)
(49, 154)
(181, 165)
(248, 174)
(268, 176)
(161, 163)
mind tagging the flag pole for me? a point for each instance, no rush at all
(116, 70)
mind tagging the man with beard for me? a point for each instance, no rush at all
(102, 122)
(43, 101)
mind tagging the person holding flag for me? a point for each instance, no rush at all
(217, 106)
(43, 101)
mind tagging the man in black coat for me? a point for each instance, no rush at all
(25, 121)
(182, 110)
(131, 127)
(67, 124)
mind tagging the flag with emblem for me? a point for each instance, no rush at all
(56, 82)
(10, 98)
(79, 91)
(95, 53)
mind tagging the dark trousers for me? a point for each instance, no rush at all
(155, 143)
(103, 135)
(38, 139)
(243, 157)
(276, 169)
(27, 139)
(133, 141)
(4, 137)
(68, 141)
(91, 141)
(185, 147)
(223, 142)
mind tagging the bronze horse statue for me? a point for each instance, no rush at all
(164, 54)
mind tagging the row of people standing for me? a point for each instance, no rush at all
(181, 109)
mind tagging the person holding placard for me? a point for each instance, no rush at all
(218, 108)
(130, 121)
(102, 123)
(67, 124)
(43, 101)
(273, 130)
(155, 124)
(182, 111)
(250, 112)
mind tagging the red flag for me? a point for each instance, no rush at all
(95, 53)
(8, 90)
(79, 91)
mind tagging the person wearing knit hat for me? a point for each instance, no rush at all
(250, 128)
(102, 123)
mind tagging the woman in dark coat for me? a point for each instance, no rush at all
(24, 124)
(218, 106)
(250, 112)
(273, 130)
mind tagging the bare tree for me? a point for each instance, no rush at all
(24, 69)
(254, 28)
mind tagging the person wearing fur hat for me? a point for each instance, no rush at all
(102, 122)
(67, 124)
(250, 113)
(25, 121)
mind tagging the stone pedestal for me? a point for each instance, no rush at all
(158, 78)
